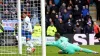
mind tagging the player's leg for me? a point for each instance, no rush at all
(78, 48)
(28, 38)
(88, 51)
(69, 50)
(62, 52)
(28, 41)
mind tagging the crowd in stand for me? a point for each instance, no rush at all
(8, 8)
(8, 11)
(69, 16)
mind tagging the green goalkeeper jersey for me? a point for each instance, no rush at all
(61, 43)
(67, 47)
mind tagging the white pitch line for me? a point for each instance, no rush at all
(13, 53)
(6, 51)
(9, 52)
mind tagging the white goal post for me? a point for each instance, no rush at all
(42, 24)
(43, 27)
(19, 27)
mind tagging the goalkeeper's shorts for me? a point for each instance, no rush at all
(27, 34)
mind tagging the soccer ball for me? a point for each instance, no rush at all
(29, 50)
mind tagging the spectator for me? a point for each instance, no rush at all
(57, 3)
(54, 7)
(80, 21)
(62, 7)
(87, 17)
(77, 13)
(47, 7)
(57, 23)
(71, 18)
(34, 20)
(89, 21)
(65, 16)
(69, 27)
(78, 3)
(69, 8)
(61, 28)
(87, 7)
(65, 1)
(51, 2)
(56, 18)
(78, 29)
(37, 30)
(84, 11)
(52, 15)
(6, 14)
(50, 20)
(70, 3)
(89, 28)
(47, 19)
(51, 30)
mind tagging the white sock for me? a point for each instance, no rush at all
(95, 52)
(30, 44)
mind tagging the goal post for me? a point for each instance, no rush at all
(43, 27)
(19, 27)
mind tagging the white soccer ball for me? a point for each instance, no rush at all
(29, 50)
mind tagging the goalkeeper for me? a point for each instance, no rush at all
(66, 47)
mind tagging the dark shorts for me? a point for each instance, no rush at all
(97, 35)
(27, 34)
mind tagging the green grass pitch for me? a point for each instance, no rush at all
(53, 51)
(13, 51)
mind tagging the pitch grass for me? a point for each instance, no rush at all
(53, 51)
(14, 49)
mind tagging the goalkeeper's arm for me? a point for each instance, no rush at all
(51, 43)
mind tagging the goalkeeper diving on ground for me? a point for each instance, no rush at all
(66, 47)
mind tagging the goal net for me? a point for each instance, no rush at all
(12, 26)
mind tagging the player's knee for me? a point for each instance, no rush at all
(81, 49)
(27, 39)
(60, 52)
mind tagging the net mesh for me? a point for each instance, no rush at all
(9, 27)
